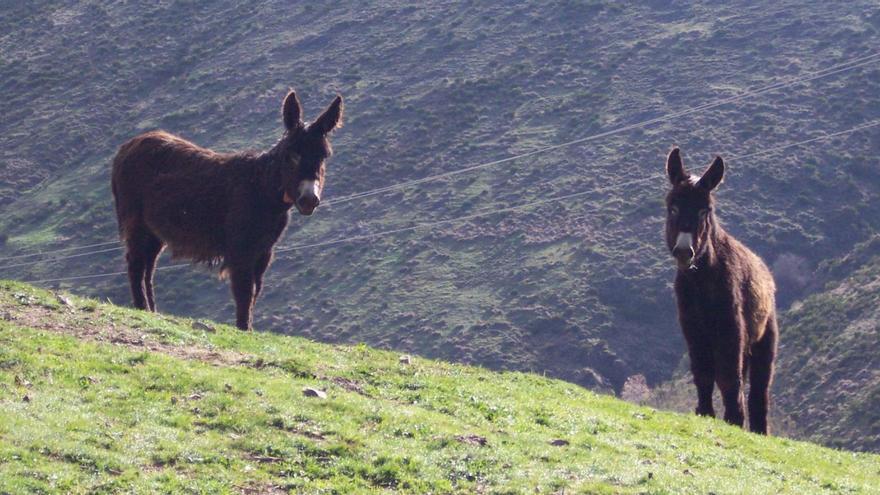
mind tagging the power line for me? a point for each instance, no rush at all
(100, 275)
(60, 258)
(43, 253)
(569, 196)
(824, 137)
(852, 64)
(80, 277)
(491, 211)
(809, 76)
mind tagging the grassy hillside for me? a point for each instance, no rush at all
(100, 399)
(578, 289)
(831, 387)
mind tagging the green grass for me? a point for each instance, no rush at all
(167, 408)
(434, 88)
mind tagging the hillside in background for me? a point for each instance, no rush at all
(831, 387)
(163, 404)
(575, 289)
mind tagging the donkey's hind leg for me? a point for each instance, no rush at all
(139, 249)
(760, 376)
(152, 248)
(259, 270)
(241, 278)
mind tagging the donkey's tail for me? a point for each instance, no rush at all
(125, 200)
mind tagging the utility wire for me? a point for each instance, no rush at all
(43, 253)
(823, 137)
(569, 196)
(59, 258)
(810, 76)
(852, 64)
(491, 211)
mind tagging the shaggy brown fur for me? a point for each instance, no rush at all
(217, 208)
(726, 300)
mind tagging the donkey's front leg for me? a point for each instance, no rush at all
(728, 376)
(702, 364)
(243, 289)
(703, 371)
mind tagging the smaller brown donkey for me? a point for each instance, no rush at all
(217, 208)
(726, 299)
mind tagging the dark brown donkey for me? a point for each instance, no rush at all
(726, 299)
(215, 208)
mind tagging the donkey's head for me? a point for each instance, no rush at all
(305, 148)
(689, 206)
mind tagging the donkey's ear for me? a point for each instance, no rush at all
(713, 175)
(675, 167)
(330, 119)
(292, 111)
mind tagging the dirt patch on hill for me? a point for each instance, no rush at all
(96, 326)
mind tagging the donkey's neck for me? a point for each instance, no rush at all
(276, 152)
(716, 237)
(266, 169)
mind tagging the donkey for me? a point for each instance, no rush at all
(726, 299)
(219, 209)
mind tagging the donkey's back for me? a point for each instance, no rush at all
(174, 189)
(758, 290)
(156, 157)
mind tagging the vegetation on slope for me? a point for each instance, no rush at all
(96, 398)
(579, 289)
(831, 387)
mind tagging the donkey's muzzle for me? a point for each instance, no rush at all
(309, 197)
(307, 204)
(683, 251)
(684, 255)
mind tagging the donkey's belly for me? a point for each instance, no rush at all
(186, 240)
(191, 226)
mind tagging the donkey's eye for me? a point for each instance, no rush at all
(673, 210)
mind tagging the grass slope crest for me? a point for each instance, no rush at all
(577, 290)
(95, 398)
